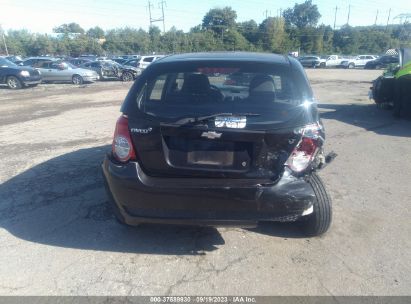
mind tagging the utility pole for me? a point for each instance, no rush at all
(335, 15)
(348, 18)
(4, 40)
(152, 20)
(265, 13)
(376, 18)
(162, 2)
(388, 19)
(149, 12)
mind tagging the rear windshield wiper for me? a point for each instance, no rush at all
(187, 120)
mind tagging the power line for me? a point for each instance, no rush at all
(162, 12)
(335, 15)
(4, 40)
(388, 19)
(403, 18)
(376, 18)
(182, 12)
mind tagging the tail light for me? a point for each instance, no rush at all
(306, 149)
(122, 146)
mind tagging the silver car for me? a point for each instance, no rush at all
(61, 71)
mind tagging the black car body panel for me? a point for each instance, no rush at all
(143, 198)
(219, 160)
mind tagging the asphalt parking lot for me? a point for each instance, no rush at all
(58, 237)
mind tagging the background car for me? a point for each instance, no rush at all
(36, 61)
(382, 62)
(16, 77)
(311, 61)
(131, 62)
(108, 69)
(332, 61)
(61, 71)
(238, 79)
(78, 61)
(88, 57)
(120, 60)
(128, 57)
(143, 61)
(359, 61)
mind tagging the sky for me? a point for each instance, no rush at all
(42, 16)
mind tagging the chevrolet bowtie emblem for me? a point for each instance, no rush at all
(211, 135)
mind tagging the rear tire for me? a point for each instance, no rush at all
(376, 91)
(319, 221)
(322, 65)
(351, 66)
(77, 79)
(14, 83)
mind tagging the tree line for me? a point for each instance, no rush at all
(296, 30)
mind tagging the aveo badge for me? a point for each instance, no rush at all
(141, 131)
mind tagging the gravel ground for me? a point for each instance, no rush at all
(58, 237)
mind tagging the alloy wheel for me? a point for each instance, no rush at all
(13, 83)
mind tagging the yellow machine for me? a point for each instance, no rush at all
(394, 87)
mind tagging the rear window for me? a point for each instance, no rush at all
(148, 59)
(208, 89)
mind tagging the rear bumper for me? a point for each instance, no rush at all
(90, 78)
(141, 198)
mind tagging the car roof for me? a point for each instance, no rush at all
(41, 57)
(226, 56)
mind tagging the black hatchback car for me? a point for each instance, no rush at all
(191, 149)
